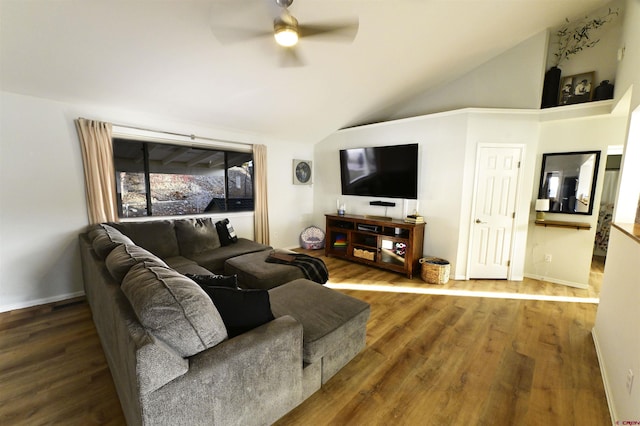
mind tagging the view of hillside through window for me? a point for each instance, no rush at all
(168, 180)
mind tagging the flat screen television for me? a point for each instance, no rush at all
(380, 171)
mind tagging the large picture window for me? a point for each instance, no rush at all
(156, 179)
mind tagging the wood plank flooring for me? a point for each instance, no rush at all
(429, 360)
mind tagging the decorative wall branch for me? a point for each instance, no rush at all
(574, 37)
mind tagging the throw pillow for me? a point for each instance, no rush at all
(241, 310)
(226, 233)
(213, 280)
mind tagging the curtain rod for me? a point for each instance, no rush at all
(192, 136)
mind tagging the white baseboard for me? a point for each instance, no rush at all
(43, 301)
(556, 281)
(605, 380)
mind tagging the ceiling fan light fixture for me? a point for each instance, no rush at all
(286, 33)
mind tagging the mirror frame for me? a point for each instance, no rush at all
(594, 179)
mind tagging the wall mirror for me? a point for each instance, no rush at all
(568, 180)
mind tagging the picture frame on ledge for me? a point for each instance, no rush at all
(577, 88)
(302, 172)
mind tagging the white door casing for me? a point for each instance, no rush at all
(498, 171)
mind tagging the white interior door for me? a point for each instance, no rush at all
(494, 211)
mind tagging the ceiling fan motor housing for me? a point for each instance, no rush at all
(284, 3)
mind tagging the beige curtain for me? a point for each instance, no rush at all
(261, 213)
(100, 182)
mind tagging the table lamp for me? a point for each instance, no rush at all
(542, 205)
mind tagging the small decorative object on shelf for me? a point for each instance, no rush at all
(604, 91)
(414, 218)
(576, 88)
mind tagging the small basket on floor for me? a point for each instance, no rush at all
(435, 270)
(312, 238)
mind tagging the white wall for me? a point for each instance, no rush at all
(290, 206)
(616, 329)
(503, 127)
(511, 80)
(571, 250)
(628, 74)
(447, 149)
(43, 203)
(441, 140)
(43, 200)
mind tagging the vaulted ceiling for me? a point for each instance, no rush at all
(168, 58)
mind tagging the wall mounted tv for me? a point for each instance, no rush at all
(380, 171)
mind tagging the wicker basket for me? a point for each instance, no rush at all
(435, 270)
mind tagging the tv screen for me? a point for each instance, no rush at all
(381, 171)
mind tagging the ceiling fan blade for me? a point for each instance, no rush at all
(290, 58)
(229, 35)
(344, 31)
(230, 24)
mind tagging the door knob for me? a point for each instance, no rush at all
(479, 221)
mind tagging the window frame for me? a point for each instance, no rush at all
(226, 148)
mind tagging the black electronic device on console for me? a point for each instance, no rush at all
(382, 203)
(368, 228)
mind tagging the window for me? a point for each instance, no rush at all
(155, 179)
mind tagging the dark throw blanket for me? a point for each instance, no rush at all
(313, 268)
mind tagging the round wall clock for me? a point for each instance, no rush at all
(302, 172)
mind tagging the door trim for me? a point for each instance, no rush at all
(472, 216)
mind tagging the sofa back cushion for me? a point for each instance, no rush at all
(158, 236)
(122, 258)
(105, 238)
(196, 235)
(173, 308)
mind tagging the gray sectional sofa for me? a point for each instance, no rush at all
(167, 346)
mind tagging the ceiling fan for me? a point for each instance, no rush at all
(287, 31)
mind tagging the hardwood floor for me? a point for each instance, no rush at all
(430, 359)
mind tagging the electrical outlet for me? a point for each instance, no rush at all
(547, 258)
(629, 380)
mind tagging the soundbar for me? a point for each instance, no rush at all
(382, 203)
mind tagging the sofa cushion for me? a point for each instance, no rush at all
(173, 308)
(192, 268)
(158, 236)
(214, 260)
(328, 317)
(214, 280)
(196, 235)
(123, 257)
(241, 310)
(105, 238)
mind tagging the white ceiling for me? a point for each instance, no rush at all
(162, 58)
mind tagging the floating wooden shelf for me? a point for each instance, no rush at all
(563, 224)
